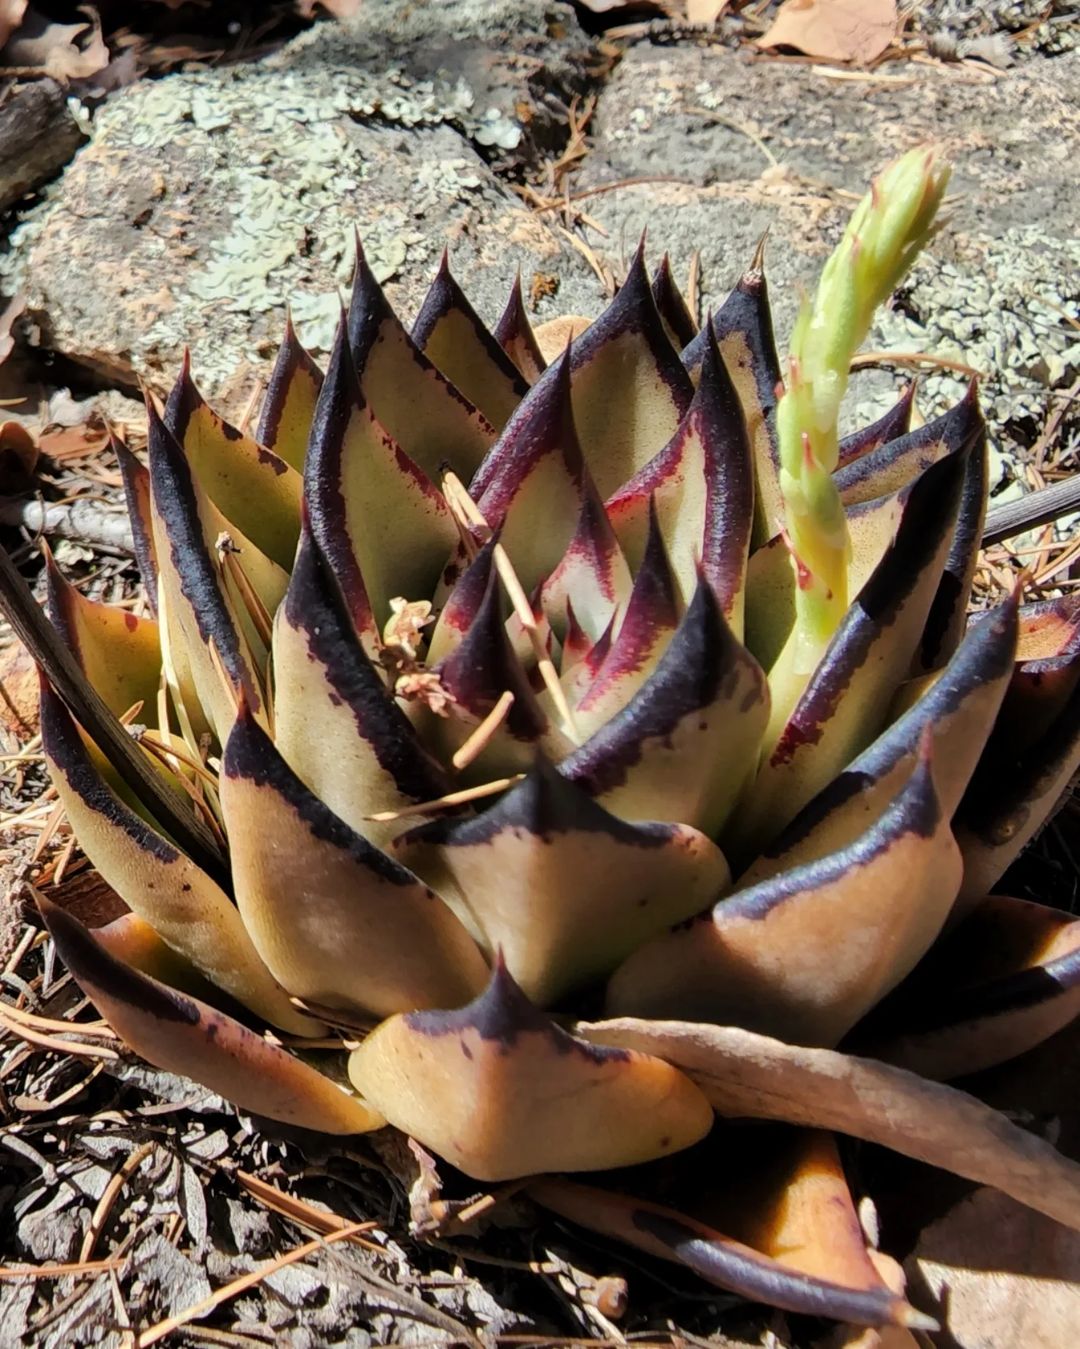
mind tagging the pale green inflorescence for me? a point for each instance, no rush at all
(882, 239)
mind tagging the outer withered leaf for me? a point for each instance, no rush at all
(289, 406)
(959, 711)
(160, 883)
(779, 957)
(185, 1036)
(1003, 980)
(421, 410)
(743, 329)
(500, 1091)
(382, 525)
(335, 919)
(703, 485)
(685, 743)
(630, 391)
(451, 334)
(327, 693)
(256, 491)
(846, 700)
(561, 887)
(746, 1075)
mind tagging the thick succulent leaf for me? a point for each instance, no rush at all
(134, 942)
(784, 1193)
(672, 307)
(947, 619)
(432, 421)
(463, 602)
(1047, 672)
(480, 668)
(1012, 794)
(182, 1035)
(847, 698)
(593, 576)
(746, 1075)
(685, 743)
(514, 334)
(451, 335)
(895, 423)
(336, 920)
(630, 391)
(720, 1260)
(805, 954)
(136, 478)
(256, 490)
(702, 484)
(61, 669)
(1003, 980)
(160, 883)
(580, 660)
(897, 463)
(537, 497)
(640, 640)
(499, 1091)
(289, 406)
(328, 693)
(770, 577)
(743, 329)
(197, 607)
(118, 652)
(381, 524)
(561, 887)
(958, 711)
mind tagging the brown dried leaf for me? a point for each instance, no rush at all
(18, 458)
(1005, 1274)
(18, 692)
(11, 15)
(17, 303)
(704, 11)
(337, 9)
(744, 1074)
(834, 30)
(52, 48)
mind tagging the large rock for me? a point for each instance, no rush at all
(761, 145)
(206, 201)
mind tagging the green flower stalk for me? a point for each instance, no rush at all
(883, 237)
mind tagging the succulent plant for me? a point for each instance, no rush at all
(482, 692)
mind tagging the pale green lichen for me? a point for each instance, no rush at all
(1009, 307)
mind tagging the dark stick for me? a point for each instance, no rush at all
(1034, 509)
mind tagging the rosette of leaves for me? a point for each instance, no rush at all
(467, 705)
